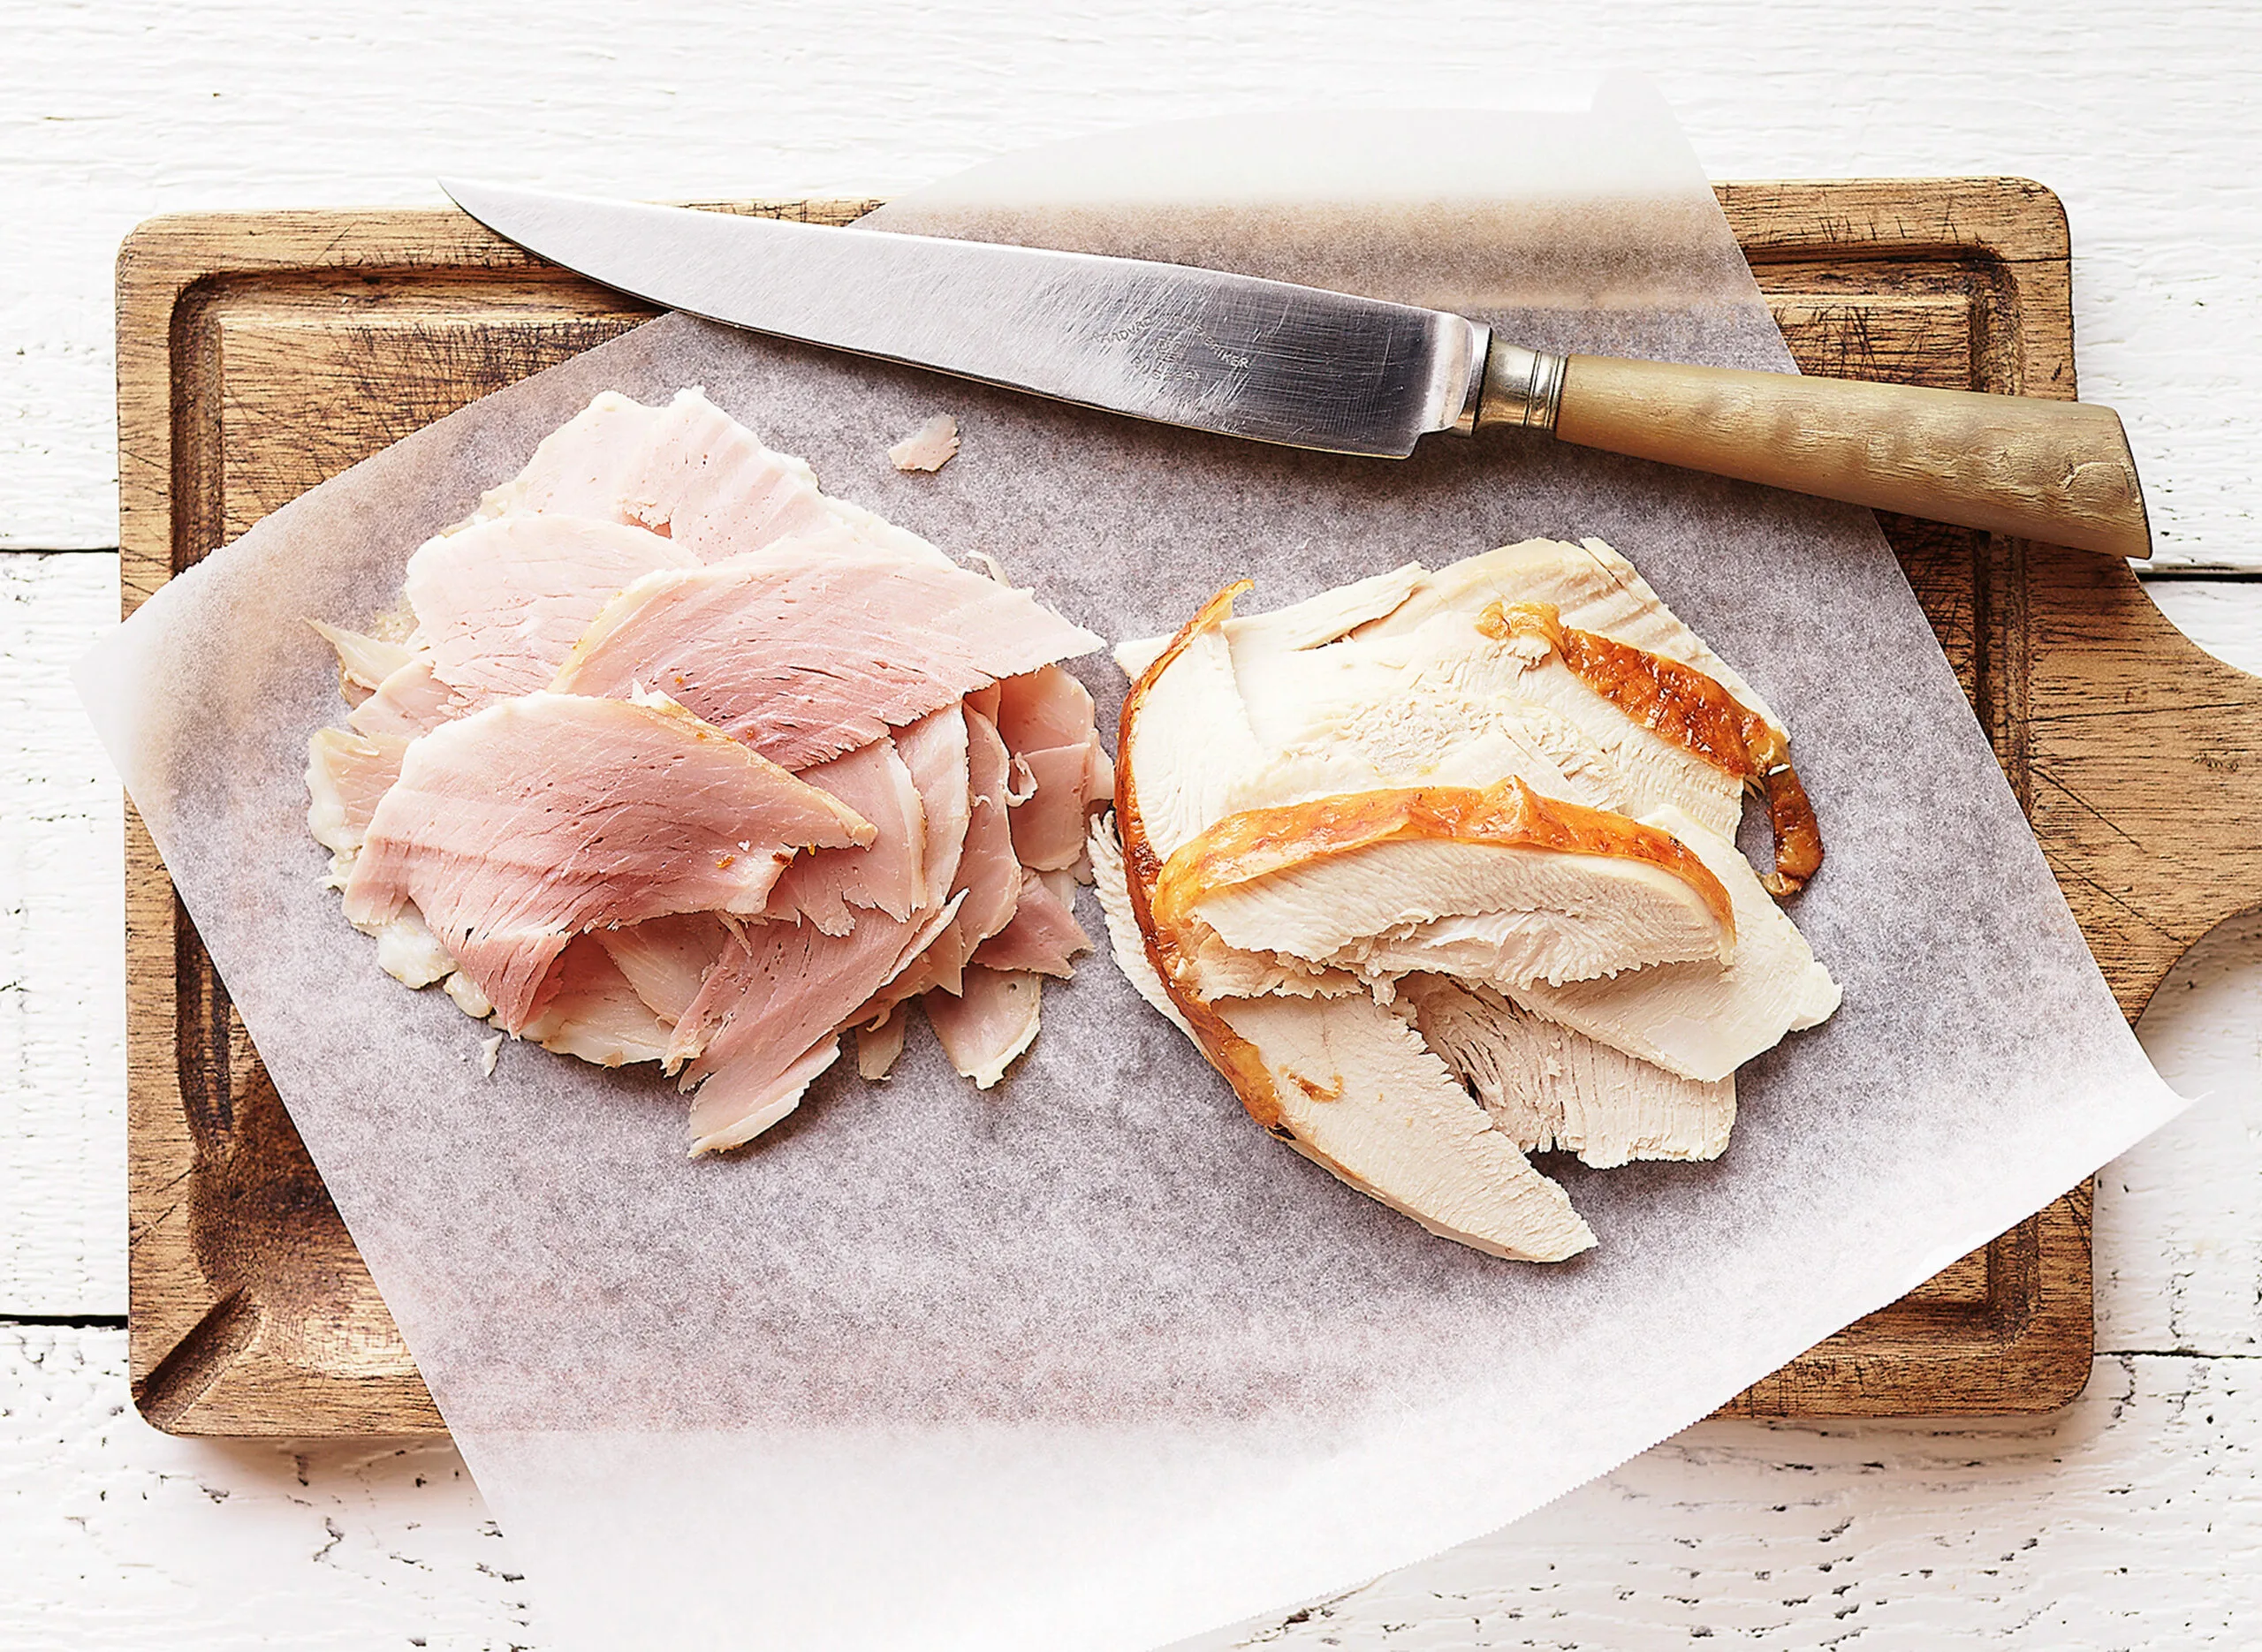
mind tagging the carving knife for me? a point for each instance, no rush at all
(1300, 366)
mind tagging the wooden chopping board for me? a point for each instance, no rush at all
(260, 354)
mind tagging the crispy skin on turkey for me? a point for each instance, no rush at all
(1501, 885)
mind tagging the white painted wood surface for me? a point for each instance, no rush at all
(2130, 1519)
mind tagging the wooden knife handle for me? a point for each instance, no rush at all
(2058, 471)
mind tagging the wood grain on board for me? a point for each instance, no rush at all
(260, 354)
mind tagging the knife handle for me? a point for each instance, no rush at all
(2058, 471)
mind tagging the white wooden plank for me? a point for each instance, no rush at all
(62, 952)
(2141, 116)
(2130, 1519)
(2224, 616)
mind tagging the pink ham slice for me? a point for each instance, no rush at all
(592, 1011)
(934, 750)
(518, 827)
(1043, 937)
(984, 1028)
(690, 471)
(827, 888)
(665, 960)
(988, 880)
(804, 657)
(767, 1021)
(412, 701)
(1046, 719)
(347, 777)
(502, 602)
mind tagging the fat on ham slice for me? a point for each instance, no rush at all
(804, 657)
(411, 700)
(1501, 885)
(987, 1025)
(346, 777)
(363, 662)
(518, 827)
(690, 471)
(593, 1011)
(501, 602)
(1703, 1020)
(1547, 1087)
(666, 959)
(828, 887)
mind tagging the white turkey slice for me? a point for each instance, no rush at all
(1703, 1020)
(1355, 1089)
(1546, 1086)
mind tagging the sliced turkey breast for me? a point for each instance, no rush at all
(1547, 1087)
(516, 828)
(1589, 584)
(1188, 740)
(1703, 1021)
(1692, 712)
(502, 602)
(804, 657)
(1351, 1087)
(1554, 891)
(1126, 941)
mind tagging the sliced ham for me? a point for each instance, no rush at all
(594, 1013)
(935, 749)
(516, 828)
(986, 1026)
(346, 777)
(1547, 1087)
(828, 887)
(412, 701)
(690, 471)
(1703, 1020)
(752, 1038)
(987, 883)
(502, 602)
(666, 959)
(1042, 938)
(806, 657)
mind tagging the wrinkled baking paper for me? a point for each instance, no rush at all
(1087, 1362)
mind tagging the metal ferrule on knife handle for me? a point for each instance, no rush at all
(2057, 472)
(1521, 387)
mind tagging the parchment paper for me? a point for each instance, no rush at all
(1088, 1363)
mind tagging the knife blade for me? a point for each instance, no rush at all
(1304, 366)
